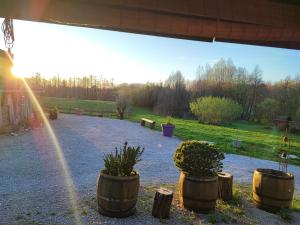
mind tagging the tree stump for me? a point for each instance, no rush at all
(225, 181)
(162, 203)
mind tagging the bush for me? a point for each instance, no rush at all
(53, 113)
(198, 159)
(122, 162)
(268, 110)
(215, 110)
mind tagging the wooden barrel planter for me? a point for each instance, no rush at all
(198, 194)
(117, 196)
(272, 189)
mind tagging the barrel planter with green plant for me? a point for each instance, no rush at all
(118, 184)
(199, 163)
(272, 189)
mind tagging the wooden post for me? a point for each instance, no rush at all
(162, 203)
(225, 186)
(152, 125)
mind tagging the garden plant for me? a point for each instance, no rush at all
(199, 163)
(168, 127)
(118, 184)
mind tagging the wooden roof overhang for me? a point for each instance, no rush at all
(273, 23)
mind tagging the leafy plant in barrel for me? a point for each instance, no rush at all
(199, 159)
(199, 163)
(122, 161)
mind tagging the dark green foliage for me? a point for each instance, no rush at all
(53, 113)
(267, 110)
(121, 162)
(198, 158)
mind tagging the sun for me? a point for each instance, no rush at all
(17, 71)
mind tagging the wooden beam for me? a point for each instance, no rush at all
(258, 22)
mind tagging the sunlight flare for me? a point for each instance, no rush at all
(58, 150)
(17, 72)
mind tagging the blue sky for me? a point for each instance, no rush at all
(74, 51)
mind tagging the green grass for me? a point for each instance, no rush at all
(258, 140)
(69, 104)
(296, 203)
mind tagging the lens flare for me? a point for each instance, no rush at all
(16, 72)
(67, 176)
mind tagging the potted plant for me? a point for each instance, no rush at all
(168, 127)
(272, 189)
(118, 184)
(53, 113)
(199, 163)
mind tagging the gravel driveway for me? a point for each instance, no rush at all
(32, 185)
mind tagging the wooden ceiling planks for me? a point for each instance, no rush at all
(260, 22)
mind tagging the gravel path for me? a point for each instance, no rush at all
(32, 185)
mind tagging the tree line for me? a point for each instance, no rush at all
(259, 100)
(85, 87)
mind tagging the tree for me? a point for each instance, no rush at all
(268, 110)
(173, 97)
(121, 104)
(215, 110)
(256, 83)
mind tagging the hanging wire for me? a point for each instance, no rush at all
(8, 33)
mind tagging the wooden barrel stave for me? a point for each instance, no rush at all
(198, 194)
(272, 189)
(117, 196)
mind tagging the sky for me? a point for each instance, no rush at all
(75, 51)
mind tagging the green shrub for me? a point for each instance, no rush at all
(53, 113)
(198, 158)
(268, 110)
(215, 110)
(169, 120)
(121, 162)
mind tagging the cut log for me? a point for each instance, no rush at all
(162, 203)
(225, 181)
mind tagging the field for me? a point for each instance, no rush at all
(257, 140)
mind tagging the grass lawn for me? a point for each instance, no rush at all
(69, 104)
(257, 140)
